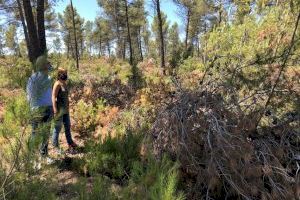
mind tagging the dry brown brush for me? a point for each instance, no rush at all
(223, 155)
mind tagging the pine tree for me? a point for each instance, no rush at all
(57, 45)
(2, 44)
(11, 40)
(174, 45)
(157, 34)
(35, 17)
(103, 36)
(243, 9)
(67, 29)
(137, 24)
(88, 28)
(114, 11)
(161, 34)
(192, 13)
(128, 27)
(23, 48)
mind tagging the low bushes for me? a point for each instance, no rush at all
(114, 156)
(120, 159)
(191, 72)
(16, 164)
(153, 180)
(15, 73)
(84, 116)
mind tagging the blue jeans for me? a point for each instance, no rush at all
(59, 120)
(41, 126)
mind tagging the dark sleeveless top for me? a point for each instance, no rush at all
(62, 100)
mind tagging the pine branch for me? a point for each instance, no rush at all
(283, 66)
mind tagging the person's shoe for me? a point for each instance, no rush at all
(71, 150)
(47, 160)
(59, 151)
(37, 165)
(73, 145)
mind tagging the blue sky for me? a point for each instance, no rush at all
(89, 9)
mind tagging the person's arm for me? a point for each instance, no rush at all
(29, 90)
(54, 96)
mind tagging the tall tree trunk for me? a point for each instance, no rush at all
(68, 51)
(81, 48)
(69, 45)
(40, 19)
(31, 28)
(128, 34)
(140, 44)
(198, 46)
(75, 36)
(160, 26)
(187, 28)
(220, 14)
(119, 42)
(124, 49)
(100, 47)
(28, 44)
(108, 48)
(90, 48)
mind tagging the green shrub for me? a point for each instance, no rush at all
(136, 119)
(84, 117)
(75, 77)
(114, 70)
(153, 180)
(191, 72)
(115, 156)
(16, 72)
(32, 189)
(15, 155)
(100, 190)
(16, 116)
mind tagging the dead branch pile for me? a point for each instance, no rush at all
(219, 159)
(114, 93)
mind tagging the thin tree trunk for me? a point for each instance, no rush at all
(162, 46)
(220, 11)
(100, 46)
(81, 48)
(75, 36)
(40, 19)
(140, 44)
(108, 48)
(124, 49)
(128, 34)
(69, 45)
(198, 46)
(187, 28)
(28, 44)
(32, 31)
(119, 43)
(68, 51)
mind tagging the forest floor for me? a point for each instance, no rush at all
(63, 173)
(60, 172)
(103, 102)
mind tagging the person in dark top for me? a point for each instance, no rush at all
(60, 102)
